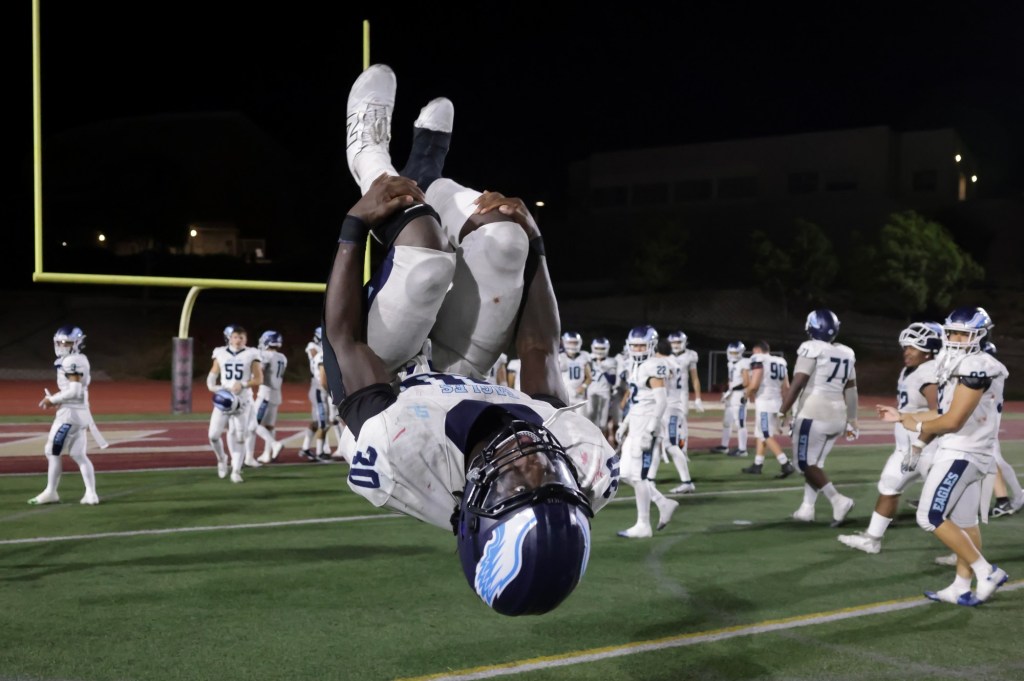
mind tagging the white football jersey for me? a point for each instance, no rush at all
(573, 372)
(980, 433)
(492, 374)
(641, 398)
(685, 360)
(833, 365)
(74, 363)
(912, 380)
(316, 359)
(673, 391)
(411, 456)
(774, 372)
(602, 376)
(736, 370)
(236, 367)
(274, 365)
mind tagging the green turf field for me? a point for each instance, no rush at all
(350, 593)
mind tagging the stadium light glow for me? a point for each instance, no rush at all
(974, 178)
(63, 243)
(102, 237)
(539, 204)
(192, 232)
(958, 157)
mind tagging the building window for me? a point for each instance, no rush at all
(693, 190)
(925, 180)
(737, 187)
(608, 197)
(803, 182)
(650, 194)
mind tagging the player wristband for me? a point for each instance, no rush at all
(920, 425)
(918, 444)
(537, 245)
(353, 231)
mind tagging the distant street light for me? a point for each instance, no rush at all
(958, 157)
(102, 238)
(192, 232)
(974, 178)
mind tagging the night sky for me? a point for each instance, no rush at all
(533, 92)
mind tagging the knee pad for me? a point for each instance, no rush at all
(924, 519)
(505, 245)
(428, 274)
(890, 485)
(454, 205)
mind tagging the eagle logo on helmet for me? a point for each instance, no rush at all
(571, 343)
(641, 342)
(68, 340)
(677, 340)
(975, 322)
(226, 401)
(503, 556)
(822, 324)
(925, 336)
(734, 351)
(599, 347)
(270, 339)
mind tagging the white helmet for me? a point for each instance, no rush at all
(65, 335)
(641, 342)
(677, 339)
(230, 329)
(599, 347)
(925, 336)
(572, 342)
(734, 351)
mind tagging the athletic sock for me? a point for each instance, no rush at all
(830, 492)
(758, 459)
(810, 495)
(878, 525)
(961, 584)
(426, 159)
(982, 568)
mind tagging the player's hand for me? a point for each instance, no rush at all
(236, 387)
(620, 433)
(45, 403)
(387, 195)
(698, 405)
(852, 431)
(887, 413)
(646, 441)
(513, 207)
(910, 460)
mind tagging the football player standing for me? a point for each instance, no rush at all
(734, 400)
(235, 371)
(769, 381)
(268, 396)
(677, 428)
(575, 366)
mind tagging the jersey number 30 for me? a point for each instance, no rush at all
(364, 477)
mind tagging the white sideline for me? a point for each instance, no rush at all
(207, 528)
(682, 640)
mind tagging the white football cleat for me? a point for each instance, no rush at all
(275, 449)
(638, 531)
(222, 469)
(236, 477)
(252, 463)
(45, 498)
(804, 514)
(665, 514)
(371, 102)
(951, 595)
(90, 499)
(988, 586)
(946, 560)
(264, 458)
(438, 114)
(685, 488)
(840, 508)
(862, 542)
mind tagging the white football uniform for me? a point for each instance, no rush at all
(735, 413)
(821, 412)
(768, 399)
(674, 428)
(268, 395)
(599, 392)
(320, 410)
(410, 457)
(685, 360)
(952, 486)
(639, 463)
(573, 374)
(235, 367)
(73, 417)
(910, 399)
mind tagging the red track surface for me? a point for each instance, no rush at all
(160, 444)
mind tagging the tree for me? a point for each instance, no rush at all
(660, 256)
(915, 264)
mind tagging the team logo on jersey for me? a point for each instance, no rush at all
(503, 556)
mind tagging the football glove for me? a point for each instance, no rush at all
(620, 432)
(698, 405)
(910, 460)
(853, 432)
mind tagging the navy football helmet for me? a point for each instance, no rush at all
(599, 347)
(677, 339)
(973, 321)
(925, 336)
(226, 401)
(67, 340)
(270, 339)
(734, 351)
(523, 527)
(641, 342)
(822, 324)
(989, 347)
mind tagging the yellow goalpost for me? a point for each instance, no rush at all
(181, 399)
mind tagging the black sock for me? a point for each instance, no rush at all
(1002, 500)
(426, 159)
